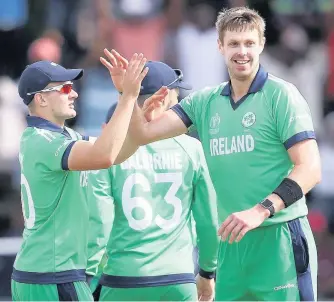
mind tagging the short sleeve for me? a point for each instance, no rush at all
(54, 149)
(76, 135)
(190, 109)
(292, 116)
(186, 111)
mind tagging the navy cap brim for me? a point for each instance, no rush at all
(68, 75)
(184, 85)
(181, 84)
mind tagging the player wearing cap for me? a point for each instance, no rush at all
(52, 260)
(156, 192)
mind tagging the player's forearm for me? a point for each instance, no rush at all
(138, 129)
(128, 149)
(167, 125)
(141, 131)
(108, 145)
(306, 176)
(208, 243)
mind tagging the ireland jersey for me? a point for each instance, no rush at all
(101, 214)
(246, 142)
(54, 207)
(156, 192)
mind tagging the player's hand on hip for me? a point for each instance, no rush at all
(154, 105)
(134, 75)
(239, 223)
(205, 288)
(116, 65)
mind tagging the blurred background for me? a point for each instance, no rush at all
(300, 49)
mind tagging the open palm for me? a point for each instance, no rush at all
(153, 107)
(117, 65)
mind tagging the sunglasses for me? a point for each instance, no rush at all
(65, 88)
(179, 77)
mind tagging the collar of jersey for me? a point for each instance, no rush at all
(257, 84)
(38, 122)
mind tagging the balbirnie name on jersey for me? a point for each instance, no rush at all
(154, 161)
(230, 145)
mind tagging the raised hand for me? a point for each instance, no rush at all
(116, 65)
(153, 106)
(134, 75)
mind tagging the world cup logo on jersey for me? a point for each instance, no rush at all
(214, 124)
(248, 119)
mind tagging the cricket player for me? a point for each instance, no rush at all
(156, 192)
(259, 142)
(52, 260)
(101, 216)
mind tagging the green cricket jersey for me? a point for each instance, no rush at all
(156, 192)
(101, 214)
(246, 143)
(55, 209)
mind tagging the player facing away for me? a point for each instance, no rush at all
(52, 260)
(156, 192)
(259, 142)
(101, 215)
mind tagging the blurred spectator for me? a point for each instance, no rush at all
(96, 96)
(44, 48)
(318, 221)
(324, 191)
(301, 7)
(325, 247)
(143, 24)
(61, 25)
(126, 25)
(196, 50)
(329, 85)
(13, 18)
(298, 61)
(326, 148)
(13, 14)
(12, 124)
(307, 13)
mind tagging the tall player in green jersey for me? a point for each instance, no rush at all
(156, 193)
(260, 147)
(52, 260)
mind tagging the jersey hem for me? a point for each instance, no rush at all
(49, 278)
(280, 220)
(145, 281)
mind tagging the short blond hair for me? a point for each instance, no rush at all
(239, 19)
